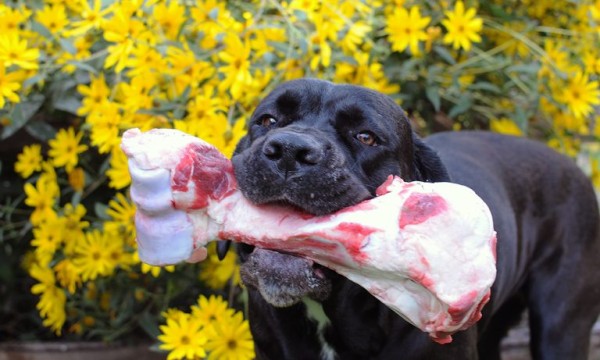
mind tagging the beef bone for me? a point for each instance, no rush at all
(426, 250)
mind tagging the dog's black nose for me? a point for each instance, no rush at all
(292, 151)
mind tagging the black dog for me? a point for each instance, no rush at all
(321, 147)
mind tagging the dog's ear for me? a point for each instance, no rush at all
(427, 163)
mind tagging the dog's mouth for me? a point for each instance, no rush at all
(296, 168)
(283, 279)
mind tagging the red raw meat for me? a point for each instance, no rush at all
(426, 250)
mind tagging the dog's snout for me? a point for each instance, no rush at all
(291, 151)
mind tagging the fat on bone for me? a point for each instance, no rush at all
(426, 250)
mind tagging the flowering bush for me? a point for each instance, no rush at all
(75, 74)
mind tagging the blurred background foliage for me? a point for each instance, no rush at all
(75, 74)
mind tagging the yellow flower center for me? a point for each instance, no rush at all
(576, 94)
(232, 344)
(185, 340)
(96, 255)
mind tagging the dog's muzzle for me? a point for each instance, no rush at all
(292, 153)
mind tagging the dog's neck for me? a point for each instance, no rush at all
(315, 312)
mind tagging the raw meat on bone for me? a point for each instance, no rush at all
(426, 250)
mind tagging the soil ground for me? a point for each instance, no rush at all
(516, 345)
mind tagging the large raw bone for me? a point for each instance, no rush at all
(426, 250)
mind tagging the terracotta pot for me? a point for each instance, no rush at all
(75, 351)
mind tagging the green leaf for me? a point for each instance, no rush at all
(461, 106)
(485, 86)
(101, 211)
(433, 94)
(520, 118)
(149, 324)
(531, 68)
(496, 11)
(444, 54)
(76, 198)
(83, 66)
(67, 46)
(67, 102)
(42, 30)
(37, 78)
(21, 114)
(40, 130)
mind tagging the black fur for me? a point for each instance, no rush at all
(304, 149)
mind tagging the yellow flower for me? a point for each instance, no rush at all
(237, 69)
(121, 29)
(406, 30)
(211, 26)
(186, 70)
(505, 126)
(183, 337)
(463, 27)
(144, 60)
(205, 106)
(365, 72)
(65, 148)
(211, 310)
(320, 49)
(119, 172)
(169, 18)
(47, 238)
(236, 133)
(356, 35)
(12, 18)
(29, 160)
(122, 212)
(174, 314)
(105, 123)
(82, 47)
(53, 17)
(77, 179)
(566, 121)
(512, 45)
(433, 33)
(307, 6)
(134, 95)
(261, 40)
(595, 175)
(95, 95)
(230, 339)
(9, 84)
(67, 275)
(565, 144)
(42, 197)
(579, 94)
(91, 17)
(73, 225)
(116, 252)
(554, 60)
(218, 273)
(93, 255)
(155, 270)
(52, 299)
(14, 51)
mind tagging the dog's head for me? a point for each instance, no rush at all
(320, 147)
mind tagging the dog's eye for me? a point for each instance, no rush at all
(367, 138)
(267, 121)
